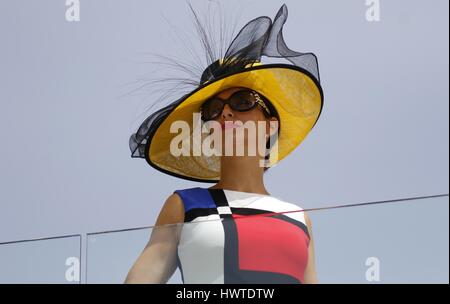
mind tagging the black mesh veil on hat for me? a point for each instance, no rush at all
(259, 37)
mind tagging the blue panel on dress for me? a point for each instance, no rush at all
(196, 198)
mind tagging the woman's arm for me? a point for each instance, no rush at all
(310, 275)
(157, 262)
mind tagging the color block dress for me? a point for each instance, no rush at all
(240, 237)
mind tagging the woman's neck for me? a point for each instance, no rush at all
(241, 173)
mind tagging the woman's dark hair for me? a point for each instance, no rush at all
(273, 113)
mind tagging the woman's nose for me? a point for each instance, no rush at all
(227, 112)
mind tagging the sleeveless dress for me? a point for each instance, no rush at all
(238, 237)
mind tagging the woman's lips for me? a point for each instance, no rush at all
(228, 125)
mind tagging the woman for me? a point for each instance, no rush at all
(234, 231)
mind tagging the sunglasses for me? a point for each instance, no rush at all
(242, 101)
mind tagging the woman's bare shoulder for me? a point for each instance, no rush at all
(172, 211)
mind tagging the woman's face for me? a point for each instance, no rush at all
(247, 118)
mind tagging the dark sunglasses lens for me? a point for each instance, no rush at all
(242, 101)
(211, 109)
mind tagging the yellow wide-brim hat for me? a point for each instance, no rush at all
(294, 91)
